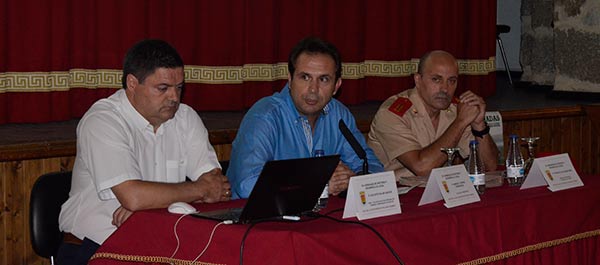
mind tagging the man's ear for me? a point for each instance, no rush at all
(417, 78)
(338, 83)
(131, 81)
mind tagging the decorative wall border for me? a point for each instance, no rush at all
(110, 78)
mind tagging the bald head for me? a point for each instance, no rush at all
(435, 57)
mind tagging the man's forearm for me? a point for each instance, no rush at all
(135, 195)
(431, 156)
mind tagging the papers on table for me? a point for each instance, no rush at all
(556, 171)
(373, 195)
(451, 184)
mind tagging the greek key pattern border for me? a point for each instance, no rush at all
(111, 78)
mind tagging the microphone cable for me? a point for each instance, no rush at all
(387, 244)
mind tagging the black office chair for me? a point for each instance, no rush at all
(499, 30)
(48, 194)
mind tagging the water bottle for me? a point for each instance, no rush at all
(515, 173)
(475, 168)
(322, 202)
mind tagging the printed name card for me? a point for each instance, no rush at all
(373, 195)
(452, 184)
(556, 171)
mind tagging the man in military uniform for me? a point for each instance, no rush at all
(411, 127)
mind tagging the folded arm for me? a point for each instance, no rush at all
(135, 195)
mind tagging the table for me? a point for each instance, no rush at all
(508, 226)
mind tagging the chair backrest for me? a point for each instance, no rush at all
(48, 194)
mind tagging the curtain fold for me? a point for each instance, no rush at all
(58, 57)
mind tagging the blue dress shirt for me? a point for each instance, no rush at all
(274, 130)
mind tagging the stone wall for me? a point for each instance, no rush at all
(560, 44)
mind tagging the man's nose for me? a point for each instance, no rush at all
(313, 86)
(174, 94)
(444, 86)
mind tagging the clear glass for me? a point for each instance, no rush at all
(450, 152)
(530, 152)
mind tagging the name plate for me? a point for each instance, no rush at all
(451, 184)
(494, 121)
(373, 195)
(556, 171)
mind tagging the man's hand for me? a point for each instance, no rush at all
(340, 179)
(471, 100)
(120, 215)
(215, 186)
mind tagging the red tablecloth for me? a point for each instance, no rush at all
(508, 226)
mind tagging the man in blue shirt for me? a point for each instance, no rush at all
(299, 120)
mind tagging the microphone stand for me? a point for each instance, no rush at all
(360, 152)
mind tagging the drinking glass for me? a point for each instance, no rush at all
(450, 151)
(530, 152)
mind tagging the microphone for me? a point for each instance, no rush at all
(360, 152)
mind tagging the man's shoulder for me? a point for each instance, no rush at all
(337, 106)
(105, 108)
(270, 106)
(398, 104)
(185, 112)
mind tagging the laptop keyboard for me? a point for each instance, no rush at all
(224, 214)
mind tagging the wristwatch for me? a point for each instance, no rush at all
(481, 133)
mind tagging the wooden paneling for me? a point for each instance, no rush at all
(561, 130)
(569, 129)
(15, 187)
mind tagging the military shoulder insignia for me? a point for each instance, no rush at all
(400, 106)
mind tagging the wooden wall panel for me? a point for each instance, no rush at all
(17, 179)
(571, 133)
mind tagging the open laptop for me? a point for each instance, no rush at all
(283, 188)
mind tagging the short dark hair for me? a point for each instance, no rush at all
(146, 56)
(314, 45)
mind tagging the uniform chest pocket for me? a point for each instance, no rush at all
(176, 170)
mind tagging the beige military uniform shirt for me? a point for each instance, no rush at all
(402, 125)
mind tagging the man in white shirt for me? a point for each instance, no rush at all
(134, 152)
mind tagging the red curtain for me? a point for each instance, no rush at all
(46, 45)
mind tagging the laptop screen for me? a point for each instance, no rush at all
(284, 187)
(289, 187)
